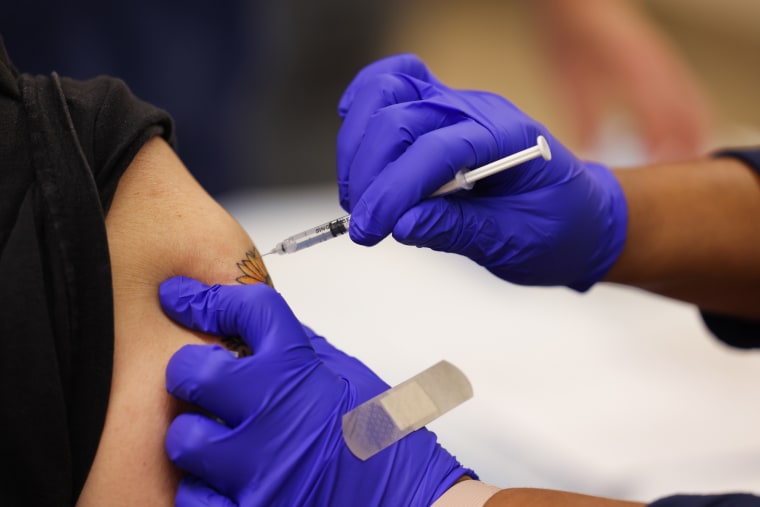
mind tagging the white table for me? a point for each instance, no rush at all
(614, 392)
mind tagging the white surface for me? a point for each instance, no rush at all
(614, 392)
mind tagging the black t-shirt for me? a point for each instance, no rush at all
(63, 147)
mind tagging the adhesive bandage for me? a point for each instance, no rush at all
(393, 414)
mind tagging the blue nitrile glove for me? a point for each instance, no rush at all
(404, 134)
(281, 441)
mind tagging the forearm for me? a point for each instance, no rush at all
(529, 497)
(472, 493)
(693, 234)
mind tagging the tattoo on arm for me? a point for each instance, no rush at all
(254, 271)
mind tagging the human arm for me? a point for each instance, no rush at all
(604, 52)
(476, 494)
(692, 234)
(161, 222)
(527, 497)
(97, 209)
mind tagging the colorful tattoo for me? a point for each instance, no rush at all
(254, 271)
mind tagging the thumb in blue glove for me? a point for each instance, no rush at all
(404, 134)
(280, 442)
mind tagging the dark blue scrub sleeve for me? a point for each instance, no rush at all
(733, 500)
(737, 332)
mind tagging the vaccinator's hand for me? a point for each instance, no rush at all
(404, 134)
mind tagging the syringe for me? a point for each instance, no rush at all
(464, 180)
(312, 236)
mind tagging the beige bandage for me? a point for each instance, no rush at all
(397, 412)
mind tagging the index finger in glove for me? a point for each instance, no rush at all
(431, 161)
(211, 378)
(403, 64)
(388, 134)
(256, 313)
(384, 91)
(206, 449)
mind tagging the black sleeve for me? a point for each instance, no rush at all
(737, 332)
(729, 500)
(734, 331)
(63, 145)
(111, 126)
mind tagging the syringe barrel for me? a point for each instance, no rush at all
(316, 234)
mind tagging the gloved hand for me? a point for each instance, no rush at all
(404, 134)
(281, 441)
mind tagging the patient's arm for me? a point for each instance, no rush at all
(161, 223)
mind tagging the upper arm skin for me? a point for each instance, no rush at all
(161, 223)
